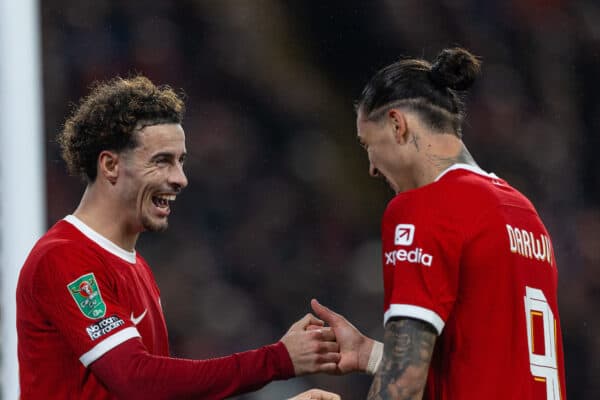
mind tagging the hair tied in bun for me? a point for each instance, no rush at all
(455, 68)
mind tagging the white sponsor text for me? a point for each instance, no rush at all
(414, 256)
(104, 326)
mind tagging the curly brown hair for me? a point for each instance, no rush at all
(110, 115)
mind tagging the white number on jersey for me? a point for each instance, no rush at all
(543, 367)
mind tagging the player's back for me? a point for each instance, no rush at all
(502, 338)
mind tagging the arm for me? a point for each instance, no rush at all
(408, 347)
(129, 371)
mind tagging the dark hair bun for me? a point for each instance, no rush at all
(455, 68)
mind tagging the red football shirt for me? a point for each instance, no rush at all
(78, 297)
(470, 255)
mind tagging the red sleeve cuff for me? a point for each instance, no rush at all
(281, 354)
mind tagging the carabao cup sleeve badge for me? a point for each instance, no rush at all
(86, 293)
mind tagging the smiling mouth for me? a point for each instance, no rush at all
(163, 200)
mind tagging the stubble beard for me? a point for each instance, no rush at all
(151, 226)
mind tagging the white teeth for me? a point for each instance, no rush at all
(166, 197)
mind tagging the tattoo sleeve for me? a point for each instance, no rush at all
(407, 350)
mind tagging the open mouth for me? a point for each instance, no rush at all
(163, 201)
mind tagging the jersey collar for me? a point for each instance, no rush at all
(100, 240)
(467, 167)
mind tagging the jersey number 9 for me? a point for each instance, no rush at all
(543, 366)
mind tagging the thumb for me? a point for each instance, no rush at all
(325, 313)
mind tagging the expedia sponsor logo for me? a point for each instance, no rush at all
(404, 234)
(414, 256)
(101, 328)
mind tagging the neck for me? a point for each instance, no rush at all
(440, 163)
(437, 156)
(97, 212)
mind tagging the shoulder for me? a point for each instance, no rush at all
(425, 202)
(470, 191)
(477, 193)
(61, 251)
(451, 203)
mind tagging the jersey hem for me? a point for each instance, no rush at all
(411, 311)
(108, 344)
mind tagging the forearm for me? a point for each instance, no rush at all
(129, 371)
(402, 374)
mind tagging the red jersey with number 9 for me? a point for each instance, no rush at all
(469, 255)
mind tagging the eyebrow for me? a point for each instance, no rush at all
(167, 155)
(162, 154)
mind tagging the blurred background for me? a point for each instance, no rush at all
(280, 207)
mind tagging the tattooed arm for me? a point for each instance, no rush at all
(407, 351)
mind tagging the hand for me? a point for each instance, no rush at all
(316, 394)
(355, 348)
(312, 350)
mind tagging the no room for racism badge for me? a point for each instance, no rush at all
(86, 293)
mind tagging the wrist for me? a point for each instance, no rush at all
(375, 356)
(283, 360)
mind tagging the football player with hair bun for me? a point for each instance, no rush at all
(470, 277)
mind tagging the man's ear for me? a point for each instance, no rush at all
(108, 166)
(398, 120)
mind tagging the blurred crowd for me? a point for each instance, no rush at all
(280, 207)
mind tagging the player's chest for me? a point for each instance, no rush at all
(138, 295)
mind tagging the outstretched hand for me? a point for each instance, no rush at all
(316, 394)
(355, 348)
(313, 350)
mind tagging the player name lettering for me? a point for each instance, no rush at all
(526, 244)
(104, 326)
(414, 256)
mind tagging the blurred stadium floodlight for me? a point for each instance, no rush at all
(22, 209)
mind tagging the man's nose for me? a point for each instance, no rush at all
(178, 177)
(373, 171)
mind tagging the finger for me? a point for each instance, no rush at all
(302, 396)
(327, 358)
(318, 394)
(329, 368)
(323, 395)
(307, 320)
(325, 313)
(314, 327)
(329, 347)
(326, 334)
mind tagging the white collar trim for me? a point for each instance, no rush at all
(467, 167)
(100, 240)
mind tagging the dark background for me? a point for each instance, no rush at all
(280, 207)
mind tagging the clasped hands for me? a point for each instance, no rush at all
(327, 343)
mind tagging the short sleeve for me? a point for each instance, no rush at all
(421, 258)
(75, 292)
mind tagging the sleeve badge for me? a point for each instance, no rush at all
(86, 293)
